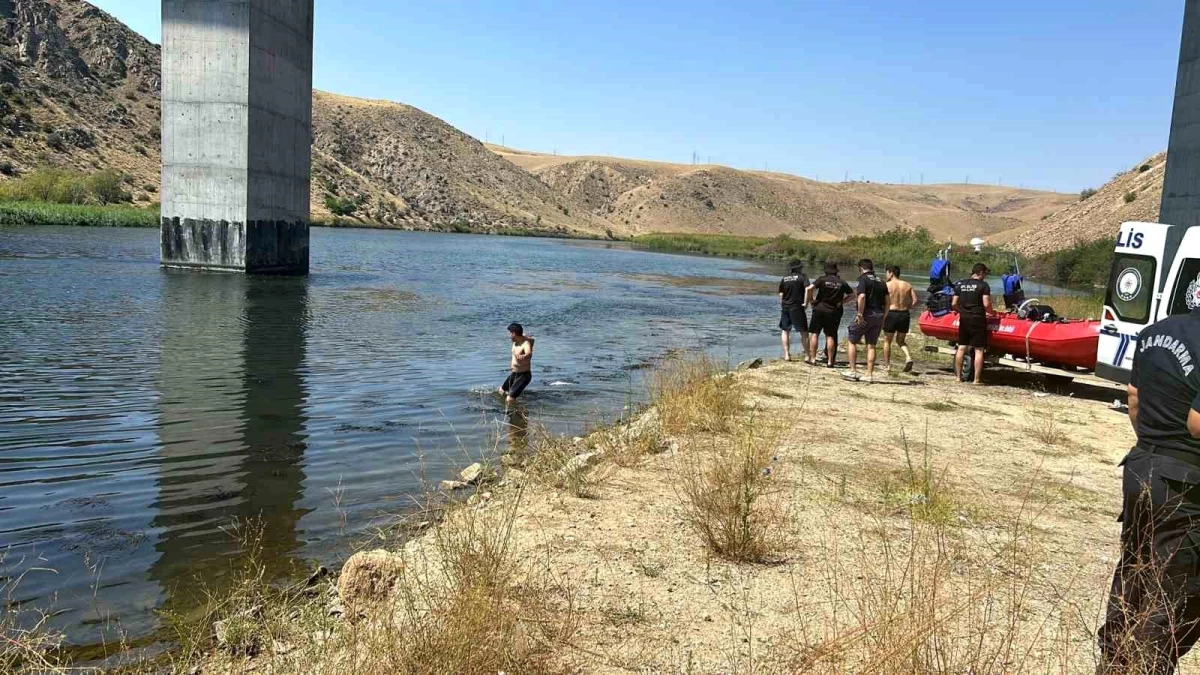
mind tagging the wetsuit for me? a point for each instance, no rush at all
(1154, 606)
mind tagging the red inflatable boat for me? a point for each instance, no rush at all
(1063, 342)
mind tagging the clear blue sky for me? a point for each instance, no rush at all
(1056, 94)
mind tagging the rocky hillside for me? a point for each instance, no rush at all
(1134, 195)
(408, 168)
(80, 90)
(662, 197)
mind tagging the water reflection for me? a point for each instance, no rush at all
(517, 425)
(232, 425)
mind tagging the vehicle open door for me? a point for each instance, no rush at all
(1132, 298)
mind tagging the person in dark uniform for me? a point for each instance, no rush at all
(973, 302)
(868, 321)
(1153, 616)
(827, 295)
(793, 297)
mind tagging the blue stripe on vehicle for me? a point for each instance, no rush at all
(1120, 356)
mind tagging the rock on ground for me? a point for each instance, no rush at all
(367, 578)
(476, 473)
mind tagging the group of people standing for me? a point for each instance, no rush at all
(881, 308)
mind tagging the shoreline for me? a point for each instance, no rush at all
(596, 544)
(46, 214)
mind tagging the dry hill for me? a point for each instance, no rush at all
(663, 197)
(1134, 195)
(80, 90)
(411, 169)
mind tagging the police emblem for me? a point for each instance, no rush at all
(1129, 284)
(1193, 293)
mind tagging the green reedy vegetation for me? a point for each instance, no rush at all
(60, 197)
(1079, 265)
(43, 213)
(910, 249)
(58, 186)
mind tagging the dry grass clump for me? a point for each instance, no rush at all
(1045, 427)
(731, 495)
(693, 392)
(465, 601)
(249, 617)
(920, 489)
(560, 462)
(629, 446)
(470, 603)
(26, 642)
(922, 601)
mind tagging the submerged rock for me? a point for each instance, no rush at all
(368, 578)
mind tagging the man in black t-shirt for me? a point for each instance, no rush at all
(1153, 614)
(973, 302)
(793, 297)
(827, 295)
(868, 321)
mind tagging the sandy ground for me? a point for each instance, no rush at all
(651, 599)
(1014, 561)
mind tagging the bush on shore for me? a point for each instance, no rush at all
(1081, 264)
(910, 249)
(57, 186)
(42, 213)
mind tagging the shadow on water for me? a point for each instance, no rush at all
(232, 427)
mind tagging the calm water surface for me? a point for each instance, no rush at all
(144, 412)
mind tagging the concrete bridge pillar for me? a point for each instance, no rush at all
(236, 134)
(1181, 188)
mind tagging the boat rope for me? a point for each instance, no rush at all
(1023, 312)
(1028, 357)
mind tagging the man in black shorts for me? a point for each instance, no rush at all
(827, 295)
(868, 321)
(902, 297)
(521, 365)
(793, 296)
(973, 302)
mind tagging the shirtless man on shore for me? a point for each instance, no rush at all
(522, 364)
(901, 299)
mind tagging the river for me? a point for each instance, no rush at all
(147, 417)
(145, 413)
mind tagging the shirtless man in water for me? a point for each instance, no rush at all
(901, 299)
(521, 366)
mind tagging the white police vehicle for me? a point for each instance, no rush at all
(1155, 274)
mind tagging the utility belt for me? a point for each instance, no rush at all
(1185, 456)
